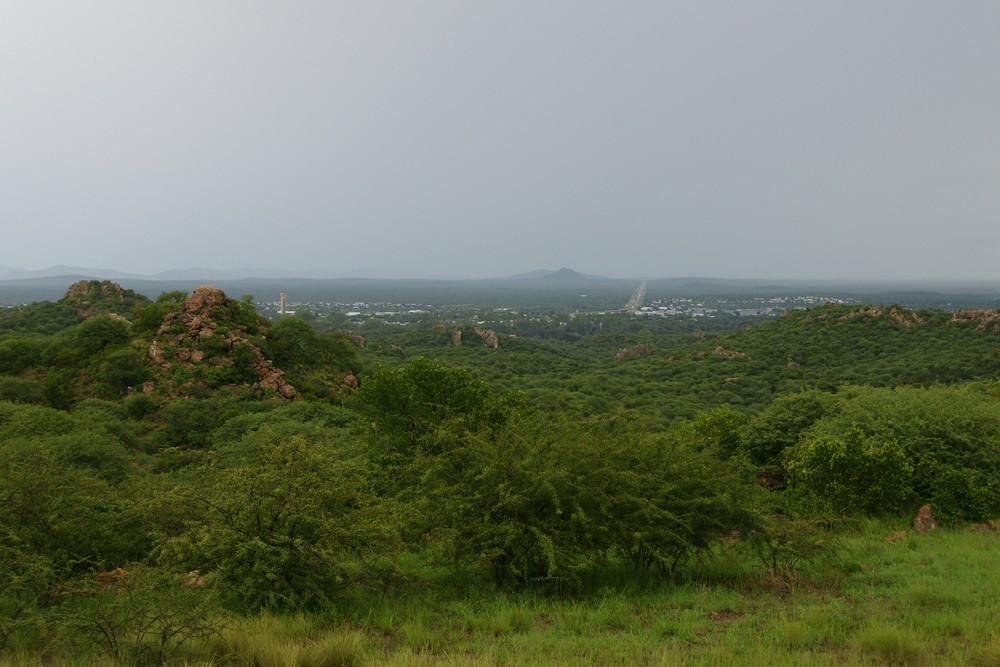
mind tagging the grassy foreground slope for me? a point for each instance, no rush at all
(924, 600)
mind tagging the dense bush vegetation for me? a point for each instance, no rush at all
(542, 465)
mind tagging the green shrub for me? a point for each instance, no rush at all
(27, 584)
(139, 615)
(287, 528)
(853, 473)
(22, 390)
(97, 333)
(138, 406)
(951, 435)
(544, 501)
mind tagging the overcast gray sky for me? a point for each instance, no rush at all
(846, 139)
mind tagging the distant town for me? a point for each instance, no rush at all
(361, 314)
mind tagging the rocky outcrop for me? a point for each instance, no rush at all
(900, 316)
(101, 297)
(456, 337)
(985, 319)
(209, 334)
(488, 336)
(727, 354)
(272, 378)
(89, 290)
(196, 316)
(355, 338)
(639, 350)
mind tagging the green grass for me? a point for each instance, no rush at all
(927, 600)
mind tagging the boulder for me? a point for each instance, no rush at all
(924, 522)
(156, 353)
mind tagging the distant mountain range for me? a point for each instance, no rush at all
(7, 273)
(563, 275)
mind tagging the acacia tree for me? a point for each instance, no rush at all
(287, 527)
(409, 404)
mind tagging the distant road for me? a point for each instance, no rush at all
(638, 297)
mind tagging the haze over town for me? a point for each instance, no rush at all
(451, 139)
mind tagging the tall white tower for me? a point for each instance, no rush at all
(283, 303)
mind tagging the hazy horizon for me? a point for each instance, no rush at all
(209, 275)
(779, 140)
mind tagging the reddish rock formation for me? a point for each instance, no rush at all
(195, 335)
(727, 354)
(456, 337)
(270, 377)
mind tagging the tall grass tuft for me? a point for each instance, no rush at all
(294, 640)
(892, 646)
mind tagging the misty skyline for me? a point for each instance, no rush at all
(850, 140)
